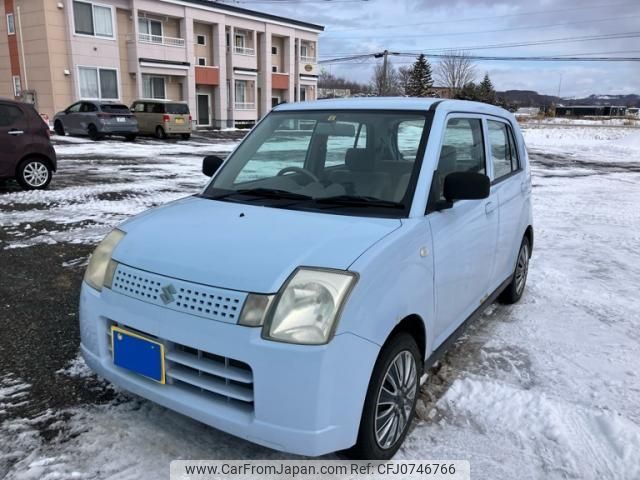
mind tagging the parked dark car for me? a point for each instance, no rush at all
(26, 153)
(96, 119)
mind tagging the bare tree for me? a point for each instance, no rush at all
(404, 75)
(385, 81)
(455, 70)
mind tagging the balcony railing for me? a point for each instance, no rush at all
(245, 106)
(306, 59)
(161, 40)
(244, 51)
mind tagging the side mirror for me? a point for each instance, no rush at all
(211, 164)
(466, 186)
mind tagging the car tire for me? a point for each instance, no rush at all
(58, 128)
(34, 173)
(515, 289)
(160, 133)
(93, 133)
(186, 136)
(130, 138)
(386, 421)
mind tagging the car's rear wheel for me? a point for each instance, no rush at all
(515, 289)
(391, 400)
(58, 128)
(186, 136)
(130, 138)
(160, 133)
(93, 132)
(34, 174)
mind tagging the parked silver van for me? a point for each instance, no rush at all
(162, 118)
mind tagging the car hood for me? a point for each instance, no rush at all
(243, 247)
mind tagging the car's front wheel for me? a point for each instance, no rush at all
(58, 128)
(34, 174)
(391, 400)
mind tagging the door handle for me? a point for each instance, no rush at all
(489, 207)
(15, 132)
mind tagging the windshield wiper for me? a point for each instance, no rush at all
(358, 201)
(270, 193)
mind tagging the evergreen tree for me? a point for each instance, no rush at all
(470, 91)
(420, 82)
(486, 92)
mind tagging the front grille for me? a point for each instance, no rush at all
(209, 375)
(201, 300)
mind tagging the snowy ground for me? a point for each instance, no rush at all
(547, 388)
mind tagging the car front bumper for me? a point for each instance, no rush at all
(307, 400)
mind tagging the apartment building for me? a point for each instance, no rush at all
(229, 63)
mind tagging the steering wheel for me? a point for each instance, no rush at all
(306, 173)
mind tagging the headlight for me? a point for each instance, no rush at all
(308, 306)
(101, 268)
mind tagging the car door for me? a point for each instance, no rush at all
(508, 191)
(14, 137)
(71, 118)
(86, 116)
(463, 236)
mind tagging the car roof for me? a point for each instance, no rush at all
(11, 100)
(396, 103)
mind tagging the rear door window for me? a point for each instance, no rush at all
(10, 115)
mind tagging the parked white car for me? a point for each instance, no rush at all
(297, 301)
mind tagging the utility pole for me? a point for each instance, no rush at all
(385, 75)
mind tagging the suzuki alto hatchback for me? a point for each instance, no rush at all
(298, 299)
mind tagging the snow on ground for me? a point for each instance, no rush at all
(83, 211)
(588, 144)
(547, 388)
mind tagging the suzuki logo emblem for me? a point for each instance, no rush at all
(167, 295)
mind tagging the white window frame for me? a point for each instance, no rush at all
(17, 85)
(93, 67)
(11, 24)
(242, 35)
(204, 37)
(201, 64)
(164, 81)
(150, 35)
(113, 21)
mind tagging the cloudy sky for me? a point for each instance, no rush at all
(364, 26)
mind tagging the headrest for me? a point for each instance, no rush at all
(358, 160)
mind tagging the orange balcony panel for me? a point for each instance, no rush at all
(280, 81)
(207, 75)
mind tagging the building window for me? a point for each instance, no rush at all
(274, 68)
(94, 20)
(304, 51)
(11, 24)
(17, 86)
(274, 50)
(201, 39)
(202, 61)
(98, 83)
(303, 94)
(150, 30)
(153, 87)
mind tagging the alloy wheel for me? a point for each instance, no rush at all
(396, 399)
(522, 268)
(35, 174)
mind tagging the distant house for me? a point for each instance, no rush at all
(590, 111)
(333, 93)
(527, 112)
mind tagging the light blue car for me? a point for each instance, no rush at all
(297, 301)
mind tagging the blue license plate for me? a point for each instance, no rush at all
(138, 354)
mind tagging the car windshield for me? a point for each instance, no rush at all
(177, 109)
(363, 162)
(114, 108)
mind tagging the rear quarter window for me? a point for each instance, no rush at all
(10, 115)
